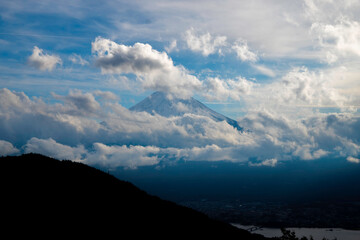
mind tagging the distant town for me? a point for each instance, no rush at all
(279, 214)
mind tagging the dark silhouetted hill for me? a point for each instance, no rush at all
(44, 197)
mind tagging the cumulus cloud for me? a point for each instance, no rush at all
(124, 156)
(301, 88)
(268, 163)
(205, 153)
(204, 43)
(80, 103)
(308, 139)
(42, 61)
(218, 89)
(154, 70)
(309, 152)
(310, 87)
(80, 118)
(11, 100)
(50, 147)
(339, 39)
(353, 160)
(243, 52)
(207, 44)
(6, 148)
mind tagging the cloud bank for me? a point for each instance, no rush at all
(88, 128)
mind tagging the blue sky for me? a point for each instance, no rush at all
(272, 65)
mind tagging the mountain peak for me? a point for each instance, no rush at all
(168, 105)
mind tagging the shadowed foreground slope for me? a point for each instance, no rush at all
(41, 195)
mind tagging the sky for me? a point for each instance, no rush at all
(286, 70)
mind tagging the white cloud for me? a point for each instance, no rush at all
(77, 59)
(80, 103)
(243, 52)
(43, 62)
(300, 88)
(309, 152)
(301, 91)
(302, 85)
(339, 39)
(204, 43)
(327, 11)
(264, 24)
(154, 70)
(310, 138)
(123, 156)
(311, 88)
(51, 148)
(218, 89)
(260, 22)
(81, 119)
(172, 47)
(352, 159)
(6, 148)
(11, 100)
(268, 163)
(206, 153)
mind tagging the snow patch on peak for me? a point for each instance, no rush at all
(168, 105)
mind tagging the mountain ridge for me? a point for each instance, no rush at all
(70, 198)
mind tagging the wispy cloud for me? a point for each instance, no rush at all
(172, 47)
(264, 70)
(77, 59)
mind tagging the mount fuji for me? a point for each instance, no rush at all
(165, 105)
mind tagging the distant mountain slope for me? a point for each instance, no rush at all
(46, 197)
(159, 102)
